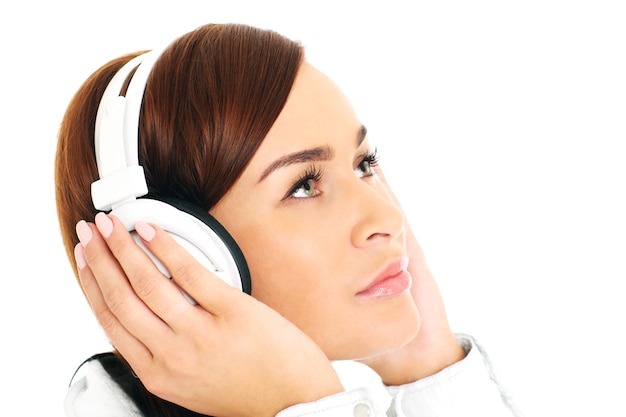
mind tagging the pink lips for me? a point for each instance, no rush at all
(393, 280)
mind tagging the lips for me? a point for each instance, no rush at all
(393, 280)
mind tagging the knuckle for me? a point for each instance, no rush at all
(94, 257)
(115, 299)
(144, 287)
(109, 323)
(187, 274)
(121, 247)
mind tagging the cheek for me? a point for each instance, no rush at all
(289, 256)
(287, 271)
(298, 277)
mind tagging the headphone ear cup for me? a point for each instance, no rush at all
(196, 231)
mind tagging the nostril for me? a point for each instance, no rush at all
(376, 236)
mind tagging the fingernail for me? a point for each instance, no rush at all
(79, 255)
(83, 231)
(145, 231)
(104, 224)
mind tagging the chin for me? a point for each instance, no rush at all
(382, 334)
(395, 338)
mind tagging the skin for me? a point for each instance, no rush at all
(306, 308)
(315, 279)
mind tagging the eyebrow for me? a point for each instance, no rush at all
(319, 153)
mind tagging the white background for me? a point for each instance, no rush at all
(502, 125)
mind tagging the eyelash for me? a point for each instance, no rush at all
(314, 173)
(372, 158)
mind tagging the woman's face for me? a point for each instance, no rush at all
(324, 240)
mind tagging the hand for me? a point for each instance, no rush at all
(228, 356)
(435, 346)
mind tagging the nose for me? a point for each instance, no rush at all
(378, 217)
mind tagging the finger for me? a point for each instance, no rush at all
(120, 338)
(162, 296)
(118, 296)
(208, 290)
(383, 179)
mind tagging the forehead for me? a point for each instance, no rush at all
(316, 113)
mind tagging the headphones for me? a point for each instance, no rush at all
(122, 182)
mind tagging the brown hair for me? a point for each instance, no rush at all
(210, 100)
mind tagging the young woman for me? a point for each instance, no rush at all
(236, 121)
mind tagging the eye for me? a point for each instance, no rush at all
(367, 164)
(306, 186)
(305, 190)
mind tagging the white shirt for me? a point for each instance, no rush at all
(467, 387)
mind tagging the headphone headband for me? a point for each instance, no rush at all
(116, 136)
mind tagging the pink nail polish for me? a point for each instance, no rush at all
(145, 231)
(83, 231)
(104, 224)
(79, 255)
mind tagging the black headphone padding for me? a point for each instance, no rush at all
(206, 218)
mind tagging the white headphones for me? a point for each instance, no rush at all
(122, 182)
